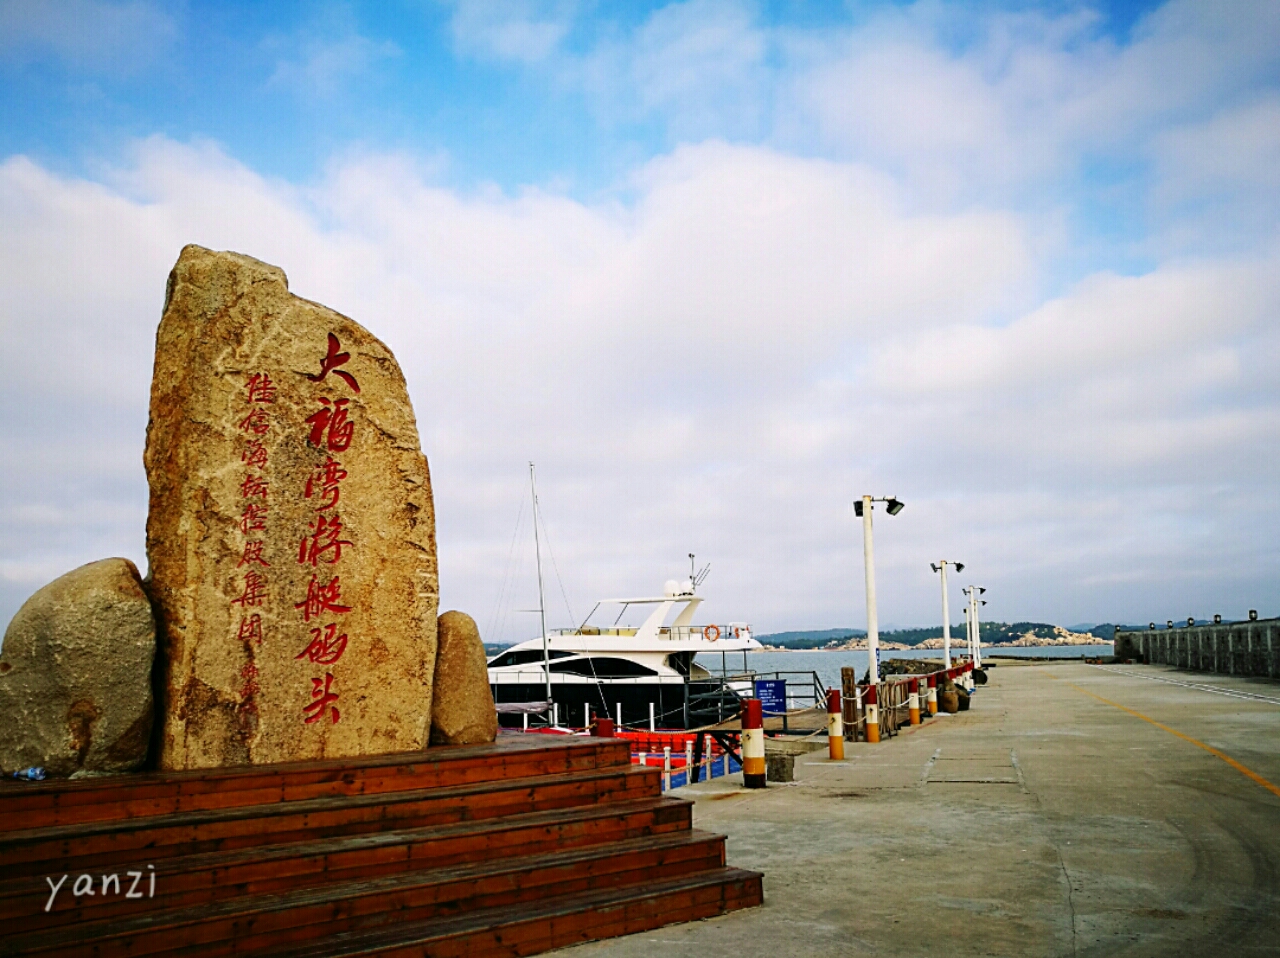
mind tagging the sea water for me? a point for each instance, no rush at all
(827, 664)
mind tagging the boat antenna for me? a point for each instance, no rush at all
(542, 605)
(696, 580)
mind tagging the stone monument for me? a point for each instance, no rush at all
(291, 532)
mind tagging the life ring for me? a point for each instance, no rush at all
(737, 632)
(711, 632)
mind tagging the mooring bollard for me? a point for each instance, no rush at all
(644, 759)
(913, 702)
(835, 726)
(752, 744)
(666, 768)
(873, 715)
(604, 728)
(932, 695)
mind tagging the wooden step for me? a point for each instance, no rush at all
(41, 851)
(24, 806)
(196, 879)
(250, 925)
(504, 931)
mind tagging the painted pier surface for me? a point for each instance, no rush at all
(1054, 818)
(1231, 648)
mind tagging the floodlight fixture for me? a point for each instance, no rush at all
(862, 508)
(941, 566)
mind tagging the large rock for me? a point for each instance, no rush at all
(75, 674)
(462, 711)
(291, 534)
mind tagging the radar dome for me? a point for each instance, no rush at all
(671, 588)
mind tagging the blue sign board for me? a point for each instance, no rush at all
(772, 694)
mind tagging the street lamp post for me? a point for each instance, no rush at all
(941, 566)
(975, 632)
(863, 508)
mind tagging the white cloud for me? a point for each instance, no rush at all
(716, 367)
(319, 60)
(524, 31)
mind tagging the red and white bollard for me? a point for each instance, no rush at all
(931, 701)
(752, 744)
(873, 715)
(913, 702)
(835, 726)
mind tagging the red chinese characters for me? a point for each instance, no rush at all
(252, 554)
(332, 360)
(323, 484)
(330, 426)
(259, 393)
(322, 598)
(321, 543)
(255, 590)
(251, 630)
(322, 699)
(332, 430)
(326, 645)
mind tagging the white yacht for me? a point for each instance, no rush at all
(629, 674)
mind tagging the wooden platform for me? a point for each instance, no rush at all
(515, 848)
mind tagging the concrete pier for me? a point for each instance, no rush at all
(1074, 810)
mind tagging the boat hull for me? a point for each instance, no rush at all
(676, 705)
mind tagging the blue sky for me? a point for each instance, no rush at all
(716, 266)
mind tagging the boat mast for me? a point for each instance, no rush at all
(542, 605)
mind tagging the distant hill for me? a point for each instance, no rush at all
(813, 639)
(992, 632)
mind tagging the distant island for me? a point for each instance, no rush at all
(1000, 635)
(994, 635)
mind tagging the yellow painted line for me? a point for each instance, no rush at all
(1242, 769)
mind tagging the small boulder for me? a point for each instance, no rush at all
(949, 698)
(462, 711)
(75, 674)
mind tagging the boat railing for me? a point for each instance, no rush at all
(712, 632)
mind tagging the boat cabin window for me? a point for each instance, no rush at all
(524, 656)
(604, 667)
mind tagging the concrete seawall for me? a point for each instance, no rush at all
(1235, 648)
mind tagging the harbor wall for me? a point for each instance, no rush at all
(1233, 648)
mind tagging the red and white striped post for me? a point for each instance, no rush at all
(932, 698)
(835, 726)
(873, 715)
(913, 702)
(752, 744)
